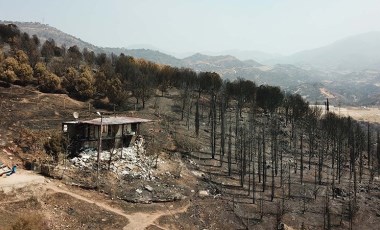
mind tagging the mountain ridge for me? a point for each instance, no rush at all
(355, 86)
(45, 32)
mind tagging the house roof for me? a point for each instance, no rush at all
(110, 121)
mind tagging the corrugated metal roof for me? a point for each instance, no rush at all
(110, 121)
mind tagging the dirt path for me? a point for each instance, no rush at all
(19, 180)
(140, 221)
(137, 221)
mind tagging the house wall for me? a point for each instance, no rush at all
(87, 135)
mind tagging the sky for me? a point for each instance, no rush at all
(180, 26)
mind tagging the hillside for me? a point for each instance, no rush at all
(201, 62)
(45, 32)
(190, 190)
(147, 54)
(259, 56)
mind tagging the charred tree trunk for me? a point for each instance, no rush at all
(197, 118)
(236, 132)
(378, 153)
(223, 131)
(184, 103)
(249, 170)
(253, 179)
(264, 162)
(369, 144)
(273, 171)
(320, 166)
(242, 161)
(229, 149)
(259, 157)
(289, 181)
(339, 160)
(301, 148)
(214, 126)
(212, 133)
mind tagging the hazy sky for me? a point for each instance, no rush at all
(277, 26)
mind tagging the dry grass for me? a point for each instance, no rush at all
(30, 221)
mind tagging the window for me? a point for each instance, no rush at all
(134, 127)
(92, 131)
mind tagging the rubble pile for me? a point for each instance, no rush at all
(153, 192)
(126, 162)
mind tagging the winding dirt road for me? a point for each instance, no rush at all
(137, 221)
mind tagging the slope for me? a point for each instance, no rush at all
(45, 32)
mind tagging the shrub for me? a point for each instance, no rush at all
(55, 145)
(30, 221)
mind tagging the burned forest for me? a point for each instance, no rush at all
(152, 146)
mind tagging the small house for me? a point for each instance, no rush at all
(109, 132)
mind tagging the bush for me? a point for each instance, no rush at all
(55, 145)
(186, 144)
(30, 221)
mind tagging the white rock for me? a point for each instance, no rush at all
(149, 188)
(203, 193)
(85, 157)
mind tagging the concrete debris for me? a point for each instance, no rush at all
(139, 191)
(126, 162)
(149, 188)
(203, 193)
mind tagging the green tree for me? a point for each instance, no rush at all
(116, 93)
(79, 84)
(10, 68)
(22, 69)
(9, 34)
(126, 67)
(47, 50)
(74, 56)
(163, 78)
(46, 80)
(39, 71)
(89, 57)
(69, 80)
(25, 73)
(30, 47)
(84, 85)
(55, 145)
(49, 82)
(269, 97)
(142, 88)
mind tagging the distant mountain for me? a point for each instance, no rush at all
(359, 52)
(334, 71)
(201, 62)
(142, 46)
(259, 56)
(284, 76)
(150, 55)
